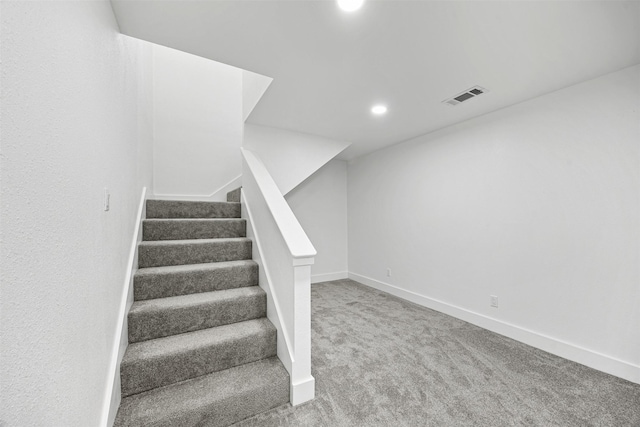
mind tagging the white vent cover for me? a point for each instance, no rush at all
(465, 96)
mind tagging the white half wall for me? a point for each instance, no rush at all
(320, 204)
(537, 204)
(198, 125)
(290, 157)
(74, 118)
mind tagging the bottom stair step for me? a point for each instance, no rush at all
(214, 400)
(156, 363)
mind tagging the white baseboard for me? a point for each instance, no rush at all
(112, 395)
(328, 277)
(303, 391)
(584, 356)
(220, 195)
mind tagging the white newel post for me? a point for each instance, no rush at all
(302, 383)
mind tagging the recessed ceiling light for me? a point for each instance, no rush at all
(378, 110)
(350, 5)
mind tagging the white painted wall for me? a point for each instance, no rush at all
(253, 87)
(320, 204)
(73, 118)
(290, 157)
(537, 203)
(198, 121)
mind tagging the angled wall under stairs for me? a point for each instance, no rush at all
(201, 351)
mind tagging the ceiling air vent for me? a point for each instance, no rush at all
(465, 96)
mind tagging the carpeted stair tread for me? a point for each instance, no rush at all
(163, 361)
(192, 228)
(157, 318)
(190, 209)
(193, 251)
(214, 400)
(168, 281)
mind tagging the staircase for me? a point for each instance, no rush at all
(201, 351)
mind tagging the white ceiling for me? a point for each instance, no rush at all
(330, 67)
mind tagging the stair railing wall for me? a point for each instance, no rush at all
(284, 254)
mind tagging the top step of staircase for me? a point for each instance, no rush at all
(234, 196)
(191, 209)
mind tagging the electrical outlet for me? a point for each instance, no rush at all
(388, 272)
(106, 199)
(494, 301)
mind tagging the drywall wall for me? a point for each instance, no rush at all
(74, 118)
(253, 87)
(320, 204)
(198, 124)
(537, 204)
(290, 157)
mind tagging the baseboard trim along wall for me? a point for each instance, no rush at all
(328, 277)
(112, 395)
(590, 358)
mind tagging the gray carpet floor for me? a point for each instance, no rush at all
(381, 361)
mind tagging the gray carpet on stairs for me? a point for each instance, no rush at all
(167, 281)
(234, 196)
(164, 361)
(184, 209)
(157, 318)
(192, 228)
(201, 351)
(160, 253)
(215, 400)
(381, 361)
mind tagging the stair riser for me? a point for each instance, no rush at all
(234, 409)
(196, 253)
(192, 229)
(146, 374)
(184, 209)
(234, 196)
(182, 283)
(149, 325)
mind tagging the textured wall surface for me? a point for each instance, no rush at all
(537, 204)
(74, 97)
